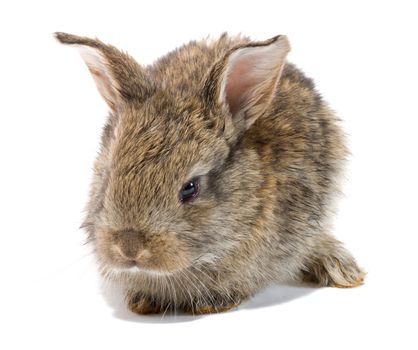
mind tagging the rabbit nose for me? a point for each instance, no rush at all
(129, 244)
(137, 256)
(127, 252)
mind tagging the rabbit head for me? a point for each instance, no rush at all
(171, 189)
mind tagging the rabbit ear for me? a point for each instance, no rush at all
(117, 75)
(245, 80)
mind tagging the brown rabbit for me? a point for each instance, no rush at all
(216, 174)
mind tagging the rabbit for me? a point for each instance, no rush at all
(217, 175)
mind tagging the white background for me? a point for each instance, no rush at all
(363, 56)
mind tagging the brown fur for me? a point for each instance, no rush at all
(268, 152)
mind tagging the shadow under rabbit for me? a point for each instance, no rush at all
(270, 296)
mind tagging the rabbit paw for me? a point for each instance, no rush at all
(219, 305)
(212, 309)
(142, 305)
(332, 265)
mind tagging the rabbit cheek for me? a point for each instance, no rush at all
(167, 253)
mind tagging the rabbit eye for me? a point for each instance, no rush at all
(190, 190)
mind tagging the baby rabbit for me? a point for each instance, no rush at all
(216, 174)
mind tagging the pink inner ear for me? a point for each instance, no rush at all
(238, 83)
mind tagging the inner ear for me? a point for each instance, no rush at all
(119, 78)
(248, 79)
(97, 65)
(238, 83)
